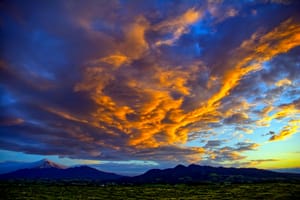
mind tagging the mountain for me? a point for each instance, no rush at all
(10, 166)
(45, 163)
(46, 169)
(200, 174)
(288, 170)
(73, 173)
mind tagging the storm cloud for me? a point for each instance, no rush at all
(146, 80)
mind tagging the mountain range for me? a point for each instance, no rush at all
(48, 170)
(10, 166)
(200, 174)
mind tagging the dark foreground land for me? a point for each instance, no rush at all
(35, 190)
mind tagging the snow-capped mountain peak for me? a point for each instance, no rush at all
(10, 166)
(45, 163)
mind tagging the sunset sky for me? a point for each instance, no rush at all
(131, 85)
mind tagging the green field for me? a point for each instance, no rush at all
(22, 190)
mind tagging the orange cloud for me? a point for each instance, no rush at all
(290, 129)
(132, 47)
(151, 82)
(253, 53)
(175, 79)
(177, 26)
(230, 154)
(283, 82)
(135, 43)
(266, 110)
(196, 157)
(287, 110)
(150, 113)
(115, 60)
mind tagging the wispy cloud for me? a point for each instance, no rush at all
(291, 128)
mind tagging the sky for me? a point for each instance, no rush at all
(127, 86)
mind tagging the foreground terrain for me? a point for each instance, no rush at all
(59, 190)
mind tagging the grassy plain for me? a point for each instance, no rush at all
(35, 190)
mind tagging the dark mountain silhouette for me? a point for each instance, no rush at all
(10, 166)
(46, 169)
(200, 174)
(49, 170)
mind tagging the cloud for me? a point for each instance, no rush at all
(177, 26)
(238, 118)
(65, 115)
(244, 146)
(213, 143)
(114, 60)
(252, 163)
(227, 154)
(246, 129)
(283, 82)
(269, 133)
(120, 80)
(11, 121)
(290, 129)
(282, 111)
(258, 161)
(135, 44)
